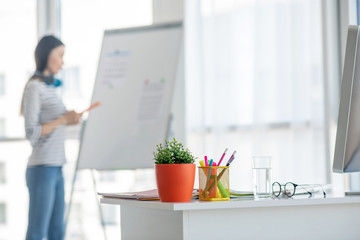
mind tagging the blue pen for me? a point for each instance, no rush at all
(209, 174)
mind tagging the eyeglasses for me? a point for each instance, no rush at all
(289, 189)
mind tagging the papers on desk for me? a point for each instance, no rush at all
(153, 195)
(241, 194)
(143, 196)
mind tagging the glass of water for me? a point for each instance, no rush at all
(262, 176)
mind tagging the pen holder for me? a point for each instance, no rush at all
(214, 184)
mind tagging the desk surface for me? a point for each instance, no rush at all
(233, 203)
(271, 219)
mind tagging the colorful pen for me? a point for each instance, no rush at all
(91, 107)
(212, 173)
(233, 155)
(206, 162)
(222, 172)
(222, 157)
(230, 161)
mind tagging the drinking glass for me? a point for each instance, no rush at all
(262, 176)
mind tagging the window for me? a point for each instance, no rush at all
(2, 127)
(75, 226)
(2, 173)
(17, 19)
(18, 41)
(109, 213)
(2, 84)
(2, 213)
(71, 82)
(107, 176)
(254, 84)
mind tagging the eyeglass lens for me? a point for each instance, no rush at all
(276, 188)
(289, 189)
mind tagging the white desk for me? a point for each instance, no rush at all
(314, 218)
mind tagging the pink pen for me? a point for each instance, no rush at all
(222, 157)
(232, 156)
(206, 162)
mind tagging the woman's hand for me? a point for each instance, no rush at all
(69, 118)
(72, 117)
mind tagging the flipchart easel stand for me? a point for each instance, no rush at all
(94, 188)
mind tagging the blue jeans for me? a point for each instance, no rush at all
(46, 207)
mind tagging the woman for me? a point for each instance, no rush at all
(45, 120)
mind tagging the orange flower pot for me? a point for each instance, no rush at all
(175, 182)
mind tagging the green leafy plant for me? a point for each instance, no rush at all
(172, 152)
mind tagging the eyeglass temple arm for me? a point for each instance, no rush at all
(302, 186)
(324, 193)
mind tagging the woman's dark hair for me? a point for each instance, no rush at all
(43, 49)
(42, 52)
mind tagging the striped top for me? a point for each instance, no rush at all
(41, 105)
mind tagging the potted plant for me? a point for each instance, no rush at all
(175, 172)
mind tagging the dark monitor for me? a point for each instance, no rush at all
(347, 146)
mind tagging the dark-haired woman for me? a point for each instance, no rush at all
(45, 120)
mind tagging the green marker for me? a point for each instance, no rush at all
(222, 190)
